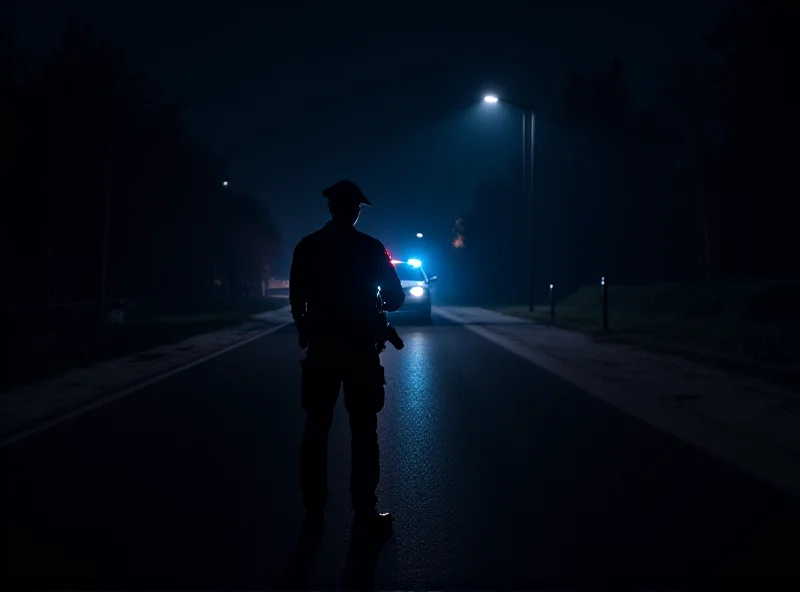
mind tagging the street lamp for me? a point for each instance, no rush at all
(528, 114)
(224, 183)
(419, 235)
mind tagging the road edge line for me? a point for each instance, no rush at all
(105, 400)
(757, 459)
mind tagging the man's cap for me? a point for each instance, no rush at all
(346, 191)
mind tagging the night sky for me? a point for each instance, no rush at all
(295, 101)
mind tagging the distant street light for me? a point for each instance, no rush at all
(419, 235)
(224, 183)
(527, 175)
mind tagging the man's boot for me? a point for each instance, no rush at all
(373, 523)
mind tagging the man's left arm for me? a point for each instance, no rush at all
(391, 289)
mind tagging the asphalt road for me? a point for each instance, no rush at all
(499, 475)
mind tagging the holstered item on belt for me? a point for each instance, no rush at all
(376, 388)
(380, 375)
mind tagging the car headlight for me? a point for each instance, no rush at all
(416, 291)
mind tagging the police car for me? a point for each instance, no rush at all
(417, 286)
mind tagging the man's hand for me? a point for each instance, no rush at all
(302, 334)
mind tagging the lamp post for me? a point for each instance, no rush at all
(424, 247)
(528, 115)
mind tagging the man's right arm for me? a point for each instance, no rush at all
(391, 289)
(297, 284)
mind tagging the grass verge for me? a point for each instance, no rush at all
(35, 353)
(748, 328)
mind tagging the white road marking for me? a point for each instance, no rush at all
(45, 425)
(777, 467)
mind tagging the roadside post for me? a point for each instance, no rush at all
(605, 302)
(552, 305)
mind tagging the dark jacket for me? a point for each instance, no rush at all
(335, 275)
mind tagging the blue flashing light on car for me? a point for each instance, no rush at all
(417, 286)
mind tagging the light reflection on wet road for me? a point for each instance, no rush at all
(499, 475)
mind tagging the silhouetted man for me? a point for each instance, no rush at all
(335, 277)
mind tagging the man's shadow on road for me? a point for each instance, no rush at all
(302, 560)
(360, 566)
(362, 560)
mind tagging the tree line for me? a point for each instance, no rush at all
(697, 186)
(107, 197)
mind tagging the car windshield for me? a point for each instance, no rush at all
(409, 272)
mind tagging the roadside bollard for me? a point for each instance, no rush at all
(605, 303)
(552, 305)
